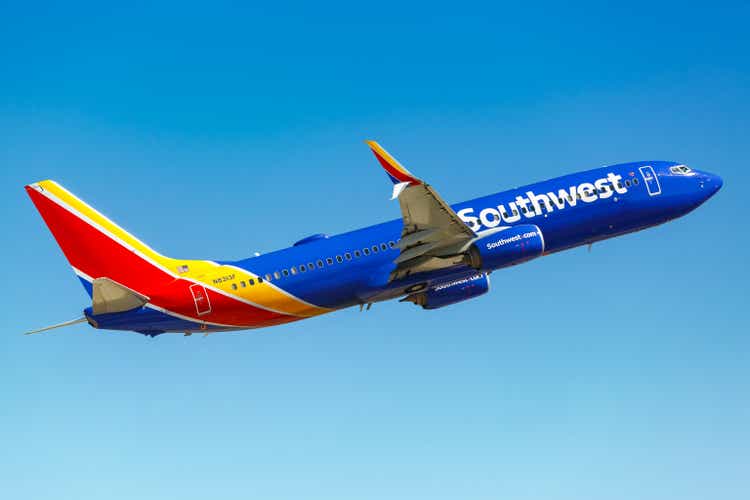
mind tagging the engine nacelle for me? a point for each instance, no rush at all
(506, 248)
(450, 292)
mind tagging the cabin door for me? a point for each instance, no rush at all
(200, 297)
(652, 182)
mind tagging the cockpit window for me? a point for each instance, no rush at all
(681, 170)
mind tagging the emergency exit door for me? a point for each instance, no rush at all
(652, 182)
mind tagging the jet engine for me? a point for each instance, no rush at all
(444, 294)
(506, 248)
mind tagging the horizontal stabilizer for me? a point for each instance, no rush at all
(110, 297)
(59, 325)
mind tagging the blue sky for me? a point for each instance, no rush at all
(217, 130)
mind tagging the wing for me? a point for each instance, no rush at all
(434, 237)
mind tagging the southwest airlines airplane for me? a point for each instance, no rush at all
(435, 255)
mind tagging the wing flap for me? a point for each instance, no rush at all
(415, 251)
(418, 237)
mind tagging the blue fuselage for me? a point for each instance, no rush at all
(577, 209)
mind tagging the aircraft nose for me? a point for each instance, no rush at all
(708, 185)
(711, 183)
(718, 182)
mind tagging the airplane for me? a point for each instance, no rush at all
(434, 256)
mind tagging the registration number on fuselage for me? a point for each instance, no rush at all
(222, 279)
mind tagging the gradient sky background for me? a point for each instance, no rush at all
(213, 131)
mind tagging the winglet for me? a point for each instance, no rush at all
(398, 188)
(398, 174)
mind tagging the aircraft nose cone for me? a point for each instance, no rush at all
(709, 185)
(717, 183)
(712, 183)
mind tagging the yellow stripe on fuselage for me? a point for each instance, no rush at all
(263, 294)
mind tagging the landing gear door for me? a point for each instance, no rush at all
(200, 297)
(652, 182)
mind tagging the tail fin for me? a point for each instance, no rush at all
(95, 246)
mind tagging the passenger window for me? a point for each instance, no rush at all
(285, 272)
(293, 270)
(339, 259)
(329, 261)
(234, 286)
(357, 253)
(260, 280)
(627, 183)
(320, 263)
(635, 181)
(383, 247)
(276, 275)
(375, 248)
(310, 266)
(524, 210)
(242, 284)
(251, 282)
(366, 251)
(348, 256)
(268, 277)
(302, 268)
(392, 244)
